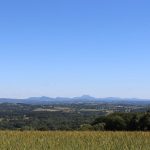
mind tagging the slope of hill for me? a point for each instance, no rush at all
(83, 99)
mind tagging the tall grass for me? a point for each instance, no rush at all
(13, 140)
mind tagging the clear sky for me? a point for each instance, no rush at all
(74, 47)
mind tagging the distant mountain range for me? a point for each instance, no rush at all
(83, 99)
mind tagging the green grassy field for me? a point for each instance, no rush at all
(13, 140)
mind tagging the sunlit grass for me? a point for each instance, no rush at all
(13, 140)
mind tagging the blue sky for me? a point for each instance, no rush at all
(69, 48)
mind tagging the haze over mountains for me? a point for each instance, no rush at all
(83, 99)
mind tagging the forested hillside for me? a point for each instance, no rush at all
(73, 117)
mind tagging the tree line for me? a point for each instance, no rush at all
(120, 122)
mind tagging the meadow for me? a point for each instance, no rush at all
(74, 140)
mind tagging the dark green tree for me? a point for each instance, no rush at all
(145, 122)
(115, 122)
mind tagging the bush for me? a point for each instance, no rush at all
(99, 127)
(85, 127)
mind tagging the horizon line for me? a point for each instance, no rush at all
(55, 97)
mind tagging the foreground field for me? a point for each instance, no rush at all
(12, 140)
